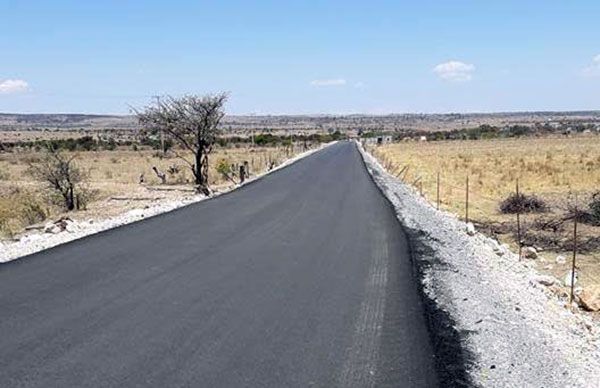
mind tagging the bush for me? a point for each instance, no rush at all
(19, 208)
(225, 168)
(32, 211)
(60, 173)
(522, 203)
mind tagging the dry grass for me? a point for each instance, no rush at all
(555, 169)
(36, 135)
(24, 201)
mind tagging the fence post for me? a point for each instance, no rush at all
(574, 250)
(467, 201)
(519, 222)
(242, 173)
(438, 191)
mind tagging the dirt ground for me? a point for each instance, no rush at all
(562, 171)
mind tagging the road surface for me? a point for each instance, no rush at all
(300, 279)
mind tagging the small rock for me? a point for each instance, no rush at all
(470, 229)
(52, 228)
(568, 278)
(561, 259)
(546, 280)
(71, 227)
(589, 298)
(497, 248)
(530, 253)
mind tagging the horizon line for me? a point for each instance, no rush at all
(251, 114)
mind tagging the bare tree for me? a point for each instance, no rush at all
(192, 121)
(61, 174)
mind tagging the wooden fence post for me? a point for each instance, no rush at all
(438, 190)
(519, 221)
(574, 251)
(242, 173)
(467, 201)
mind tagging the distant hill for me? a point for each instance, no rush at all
(233, 123)
(65, 121)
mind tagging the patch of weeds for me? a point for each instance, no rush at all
(522, 203)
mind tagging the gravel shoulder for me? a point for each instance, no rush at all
(513, 331)
(78, 227)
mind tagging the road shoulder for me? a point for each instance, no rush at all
(512, 330)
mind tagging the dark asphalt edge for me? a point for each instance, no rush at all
(453, 359)
(259, 178)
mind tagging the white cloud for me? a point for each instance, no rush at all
(455, 71)
(594, 68)
(10, 86)
(328, 82)
(359, 85)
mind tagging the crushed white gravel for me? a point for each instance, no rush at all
(36, 241)
(518, 332)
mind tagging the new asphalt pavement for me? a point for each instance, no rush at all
(302, 278)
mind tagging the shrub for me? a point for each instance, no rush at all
(225, 168)
(61, 174)
(19, 208)
(32, 210)
(522, 203)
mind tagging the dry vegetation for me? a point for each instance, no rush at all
(560, 171)
(114, 178)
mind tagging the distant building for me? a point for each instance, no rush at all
(387, 139)
(554, 125)
(379, 140)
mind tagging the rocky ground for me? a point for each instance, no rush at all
(513, 328)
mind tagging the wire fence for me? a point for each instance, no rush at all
(471, 205)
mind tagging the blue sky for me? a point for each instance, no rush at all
(301, 56)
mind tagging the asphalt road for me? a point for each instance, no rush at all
(300, 279)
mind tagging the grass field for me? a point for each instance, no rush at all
(24, 201)
(561, 171)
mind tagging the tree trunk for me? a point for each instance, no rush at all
(198, 168)
(205, 168)
(70, 200)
